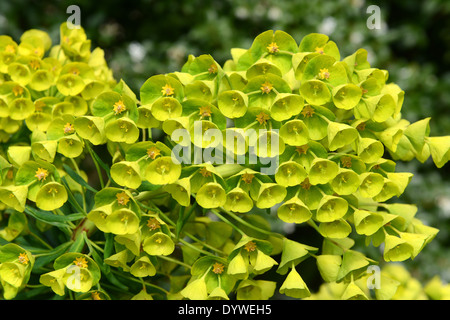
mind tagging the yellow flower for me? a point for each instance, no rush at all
(250, 246)
(153, 152)
(153, 224)
(204, 172)
(75, 71)
(262, 118)
(38, 106)
(122, 198)
(324, 74)
(68, 128)
(205, 111)
(212, 69)
(17, 90)
(81, 262)
(167, 90)
(119, 107)
(302, 149)
(319, 50)
(346, 162)
(307, 112)
(10, 49)
(96, 295)
(23, 258)
(305, 184)
(34, 64)
(41, 174)
(247, 178)
(218, 268)
(266, 87)
(273, 47)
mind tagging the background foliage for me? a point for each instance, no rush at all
(152, 37)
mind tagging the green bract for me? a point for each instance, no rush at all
(173, 192)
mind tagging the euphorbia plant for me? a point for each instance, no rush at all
(178, 209)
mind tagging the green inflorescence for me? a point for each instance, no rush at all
(144, 226)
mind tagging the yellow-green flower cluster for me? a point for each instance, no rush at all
(197, 220)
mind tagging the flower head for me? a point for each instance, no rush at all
(307, 111)
(319, 50)
(153, 152)
(212, 69)
(122, 198)
(324, 74)
(205, 111)
(167, 90)
(306, 184)
(273, 47)
(262, 118)
(17, 90)
(217, 268)
(302, 149)
(247, 178)
(204, 172)
(68, 128)
(266, 87)
(153, 224)
(41, 174)
(81, 262)
(23, 258)
(119, 107)
(250, 246)
(346, 162)
(34, 64)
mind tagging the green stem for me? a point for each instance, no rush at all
(97, 166)
(175, 261)
(41, 240)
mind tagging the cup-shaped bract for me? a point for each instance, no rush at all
(238, 201)
(143, 267)
(180, 190)
(166, 108)
(346, 96)
(122, 130)
(329, 266)
(371, 184)
(331, 208)
(211, 195)
(98, 216)
(158, 244)
(91, 128)
(294, 133)
(70, 146)
(45, 150)
(232, 103)
(294, 211)
(367, 222)
(322, 171)
(14, 196)
(294, 286)
(126, 174)
(340, 135)
(162, 171)
(353, 292)
(346, 182)
(396, 249)
(122, 221)
(290, 173)
(285, 106)
(370, 150)
(315, 92)
(269, 195)
(51, 196)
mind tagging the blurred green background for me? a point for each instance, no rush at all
(146, 37)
